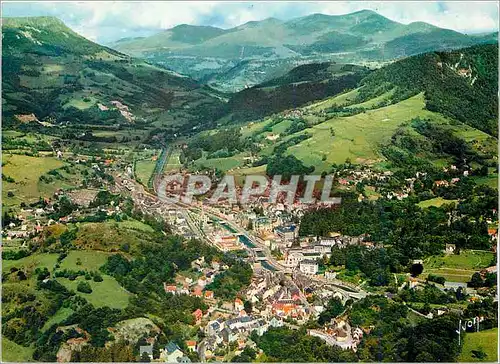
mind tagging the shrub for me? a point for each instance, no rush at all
(84, 287)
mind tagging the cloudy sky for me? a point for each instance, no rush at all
(110, 20)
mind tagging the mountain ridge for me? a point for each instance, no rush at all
(60, 77)
(361, 37)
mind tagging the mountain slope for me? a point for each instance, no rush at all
(299, 86)
(420, 114)
(61, 77)
(462, 84)
(351, 38)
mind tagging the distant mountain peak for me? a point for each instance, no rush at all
(41, 21)
(364, 12)
(192, 26)
(420, 25)
(256, 23)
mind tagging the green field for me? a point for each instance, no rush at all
(486, 341)
(111, 235)
(81, 104)
(254, 127)
(491, 180)
(223, 164)
(173, 162)
(26, 172)
(281, 126)
(344, 99)
(106, 293)
(358, 137)
(144, 169)
(39, 260)
(458, 268)
(12, 352)
(90, 260)
(436, 202)
(61, 314)
(375, 101)
(467, 259)
(135, 225)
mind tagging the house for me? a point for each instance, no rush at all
(238, 305)
(198, 315)
(343, 182)
(197, 292)
(214, 327)
(209, 295)
(286, 233)
(322, 249)
(191, 345)
(295, 295)
(492, 269)
(272, 137)
(241, 344)
(171, 353)
(169, 288)
(215, 265)
(441, 183)
(450, 248)
(229, 335)
(357, 334)
(148, 349)
(275, 322)
(294, 256)
(308, 266)
(202, 281)
(330, 275)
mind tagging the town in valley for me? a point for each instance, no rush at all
(102, 260)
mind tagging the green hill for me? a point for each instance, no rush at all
(419, 114)
(299, 86)
(462, 84)
(62, 78)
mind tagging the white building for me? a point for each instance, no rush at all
(294, 256)
(308, 266)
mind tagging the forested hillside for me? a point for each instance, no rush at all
(462, 84)
(53, 75)
(296, 88)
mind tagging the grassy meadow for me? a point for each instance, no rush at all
(458, 267)
(485, 341)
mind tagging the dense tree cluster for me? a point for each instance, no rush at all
(227, 284)
(156, 264)
(409, 231)
(446, 90)
(283, 344)
(292, 91)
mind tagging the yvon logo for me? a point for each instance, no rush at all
(471, 324)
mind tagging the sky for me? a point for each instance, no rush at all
(106, 21)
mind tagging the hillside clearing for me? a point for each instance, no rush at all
(89, 260)
(26, 172)
(436, 202)
(486, 341)
(358, 137)
(458, 268)
(39, 260)
(14, 353)
(106, 293)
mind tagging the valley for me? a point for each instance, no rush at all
(100, 262)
